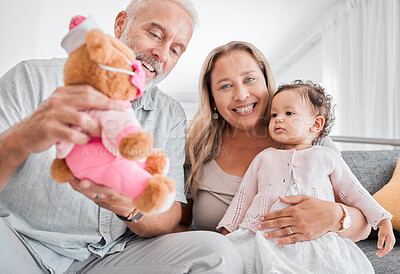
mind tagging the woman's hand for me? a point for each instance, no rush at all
(309, 218)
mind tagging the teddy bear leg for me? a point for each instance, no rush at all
(59, 171)
(157, 163)
(157, 197)
(136, 146)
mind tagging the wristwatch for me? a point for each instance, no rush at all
(346, 219)
(134, 216)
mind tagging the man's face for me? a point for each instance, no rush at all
(158, 35)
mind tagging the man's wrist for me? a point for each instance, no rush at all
(12, 146)
(134, 216)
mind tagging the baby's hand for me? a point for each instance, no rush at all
(386, 239)
(224, 231)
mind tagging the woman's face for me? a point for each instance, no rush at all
(239, 90)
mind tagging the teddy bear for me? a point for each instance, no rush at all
(122, 156)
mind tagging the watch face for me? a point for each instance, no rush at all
(347, 222)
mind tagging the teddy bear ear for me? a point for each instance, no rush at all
(99, 46)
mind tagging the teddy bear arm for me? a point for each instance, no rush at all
(115, 126)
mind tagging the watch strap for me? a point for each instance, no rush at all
(134, 216)
(345, 215)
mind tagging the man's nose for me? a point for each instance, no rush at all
(161, 52)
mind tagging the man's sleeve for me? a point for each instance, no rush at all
(16, 96)
(175, 149)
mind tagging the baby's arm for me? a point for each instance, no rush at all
(353, 193)
(386, 239)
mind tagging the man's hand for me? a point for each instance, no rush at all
(52, 121)
(109, 198)
(148, 226)
(309, 218)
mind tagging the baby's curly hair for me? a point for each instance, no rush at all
(320, 102)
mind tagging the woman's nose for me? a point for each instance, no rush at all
(241, 93)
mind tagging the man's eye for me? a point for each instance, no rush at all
(289, 113)
(175, 52)
(154, 35)
(274, 115)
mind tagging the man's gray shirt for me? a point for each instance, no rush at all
(59, 223)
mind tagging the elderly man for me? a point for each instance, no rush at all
(47, 227)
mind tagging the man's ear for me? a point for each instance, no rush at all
(319, 122)
(120, 24)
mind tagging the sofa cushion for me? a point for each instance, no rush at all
(386, 264)
(372, 168)
(389, 197)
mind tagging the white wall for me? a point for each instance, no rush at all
(35, 28)
(306, 67)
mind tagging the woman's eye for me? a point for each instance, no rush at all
(248, 80)
(289, 113)
(225, 86)
(274, 115)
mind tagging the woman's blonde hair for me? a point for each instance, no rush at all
(204, 134)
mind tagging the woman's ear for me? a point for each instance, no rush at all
(120, 24)
(318, 125)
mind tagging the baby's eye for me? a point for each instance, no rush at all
(289, 113)
(274, 115)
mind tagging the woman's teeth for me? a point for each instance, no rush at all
(245, 109)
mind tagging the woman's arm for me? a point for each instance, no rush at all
(359, 229)
(310, 218)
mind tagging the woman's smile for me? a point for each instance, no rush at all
(245, 109)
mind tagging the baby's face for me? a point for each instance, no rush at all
(291, 119)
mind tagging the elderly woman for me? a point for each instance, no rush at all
(228, 131)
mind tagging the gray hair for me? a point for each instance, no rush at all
(137, 5)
